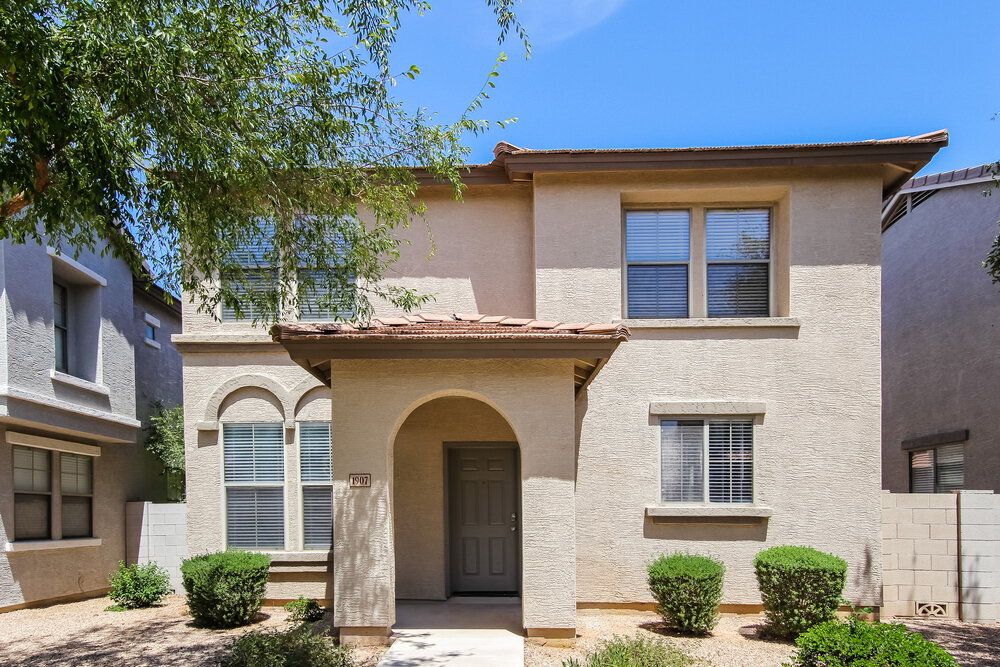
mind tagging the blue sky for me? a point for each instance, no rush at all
(657, 73)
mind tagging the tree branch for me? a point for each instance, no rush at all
(23, 199)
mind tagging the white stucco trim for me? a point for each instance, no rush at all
(726, 408)
(56, 444)
(151, 320)
(708, 511)
(243, 338)
(38, 399)
(712, 323)
(46, 545)
(79, 383)
(76, 269)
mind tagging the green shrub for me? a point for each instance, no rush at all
(800, 587)
(304, 610)
(858, 643)
(635, 651)
(688, 590)
(225, 589)
(136, 586)
(295, 647)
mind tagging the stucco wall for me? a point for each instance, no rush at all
(816, 369)
(817, 448)
(419, 487)
(940, 367)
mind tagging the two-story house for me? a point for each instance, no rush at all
(84, 351)
(631, 352)
(940, 335)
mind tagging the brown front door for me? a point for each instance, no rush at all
(483, 519)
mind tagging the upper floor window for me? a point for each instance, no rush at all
(706, 460)
(698, 262)
(60, 326)
(937, 470)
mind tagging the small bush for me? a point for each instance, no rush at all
(136, 586)
(688, 590)
(304, 610)
(800, 587)
(295, 647)
(225, 589)
(633, 652)
(858, 643)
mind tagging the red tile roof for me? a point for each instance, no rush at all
(460, 326)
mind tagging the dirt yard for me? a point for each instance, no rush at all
(82, 634)
(736, 643)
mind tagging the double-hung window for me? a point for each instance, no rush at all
(259, 272)
(316, 478)
(60, 326)
(255, 491)
(698, 262)
(76, 474)
(32, 493)
(937, 470)
(706, 460)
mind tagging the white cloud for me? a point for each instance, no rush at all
(549, 21)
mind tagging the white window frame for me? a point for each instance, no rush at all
(302, 484)
(697, 256)
(226, 485)
(755, 422)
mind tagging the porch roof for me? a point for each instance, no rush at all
(458, 336)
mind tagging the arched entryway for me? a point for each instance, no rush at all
(456, 502)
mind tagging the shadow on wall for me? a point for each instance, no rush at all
(700, 532)
(363, 517)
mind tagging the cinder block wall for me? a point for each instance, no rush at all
(920, 554)
(157, 532)
(941, 555)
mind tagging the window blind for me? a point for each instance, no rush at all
(738, 250)
(311, 306)
(317, 516)
(730, 461)
(949, 468)
(32, 509)
(77, 519)
(657, 252)
(31, 516)
(922, 471)
(254, 474)
(317, 493)
(681, 461)
(255, 281)
(32, 469)
(76, 473)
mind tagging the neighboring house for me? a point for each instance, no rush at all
(83, 351)
(635, 352)
(940, 335)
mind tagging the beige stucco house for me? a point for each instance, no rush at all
(940, 339)
(630, 352)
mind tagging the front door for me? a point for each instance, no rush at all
(483, 517)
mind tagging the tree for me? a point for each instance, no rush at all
(165, 441)
(140, 127)
(992, 261)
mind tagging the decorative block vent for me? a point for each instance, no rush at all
(931, 609)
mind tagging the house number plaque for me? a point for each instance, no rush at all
(360, 479)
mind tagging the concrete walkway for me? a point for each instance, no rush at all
(485, 632)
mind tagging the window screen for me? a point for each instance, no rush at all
(726, 445)
(657, 253)
(254, 476)
(738, 251)
(317, 493)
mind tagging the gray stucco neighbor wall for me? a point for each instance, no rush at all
(941, 333)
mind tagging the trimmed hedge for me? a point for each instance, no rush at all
(801, 587)
(225, 589)
(137, 586)
(295, 647)
(688, 590)
(861, 644)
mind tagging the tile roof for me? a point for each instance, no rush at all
(460, 326)
(957, 176)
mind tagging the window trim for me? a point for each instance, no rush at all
(225, 486)
(302, 484)
(755, 419)
(55, 449)
(698, 255)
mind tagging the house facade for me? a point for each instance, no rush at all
(630, 353)
(940, 367)
(84, 352)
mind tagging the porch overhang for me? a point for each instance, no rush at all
(459, 336)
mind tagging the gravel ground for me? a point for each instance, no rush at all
(734, 642)
(82, 634)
